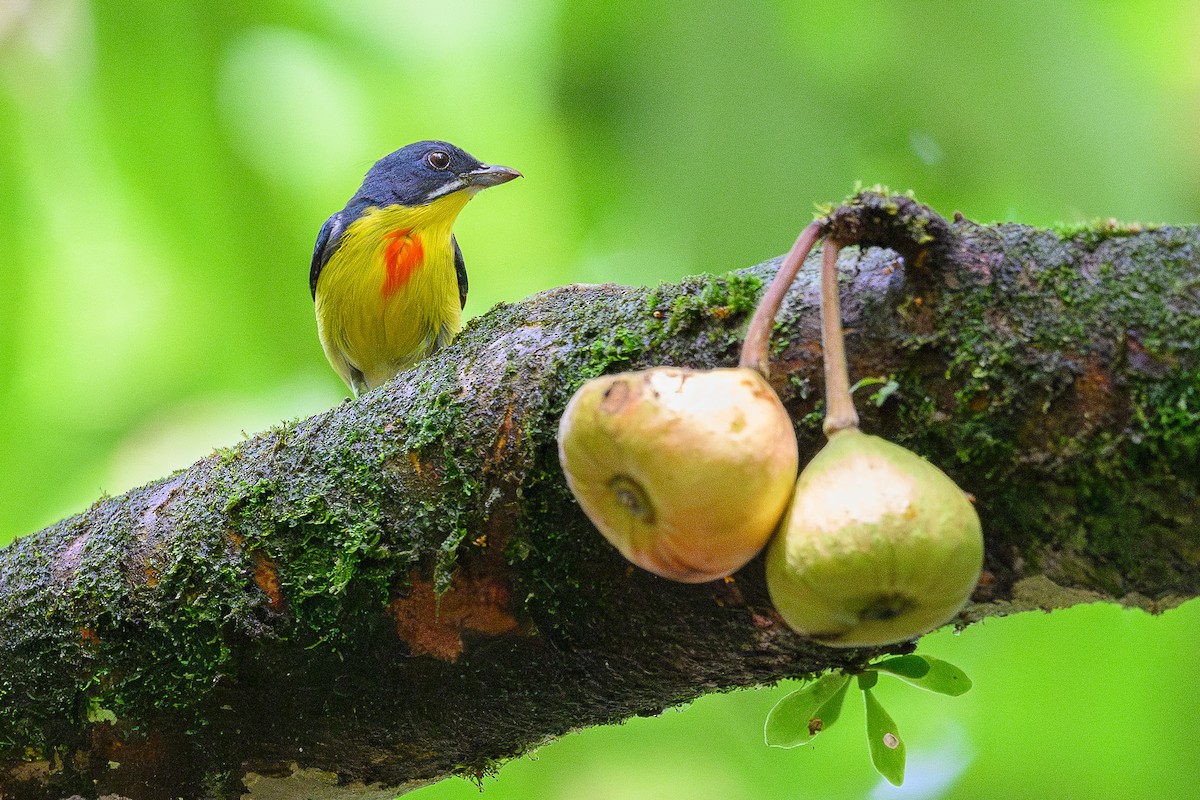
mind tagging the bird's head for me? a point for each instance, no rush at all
(424, 171)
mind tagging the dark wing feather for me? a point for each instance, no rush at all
(460, 268)
(327, 242)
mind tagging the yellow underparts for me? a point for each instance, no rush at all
(372, 330)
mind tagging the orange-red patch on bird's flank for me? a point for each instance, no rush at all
(403, 255)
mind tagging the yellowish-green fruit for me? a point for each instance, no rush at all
(878, 545)
(687, 473)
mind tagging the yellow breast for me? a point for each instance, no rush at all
(388, 296)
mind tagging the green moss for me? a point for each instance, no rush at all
(738, 293)
(432, 422)
(880, 216)
(621, 347)
(1090, 234)
(800, 386)
(729, 298)
(1076, 314)
(1167, 415)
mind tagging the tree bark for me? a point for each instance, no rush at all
(402, 588)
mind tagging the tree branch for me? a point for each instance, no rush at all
(401, 588)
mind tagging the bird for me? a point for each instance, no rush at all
(388, 279)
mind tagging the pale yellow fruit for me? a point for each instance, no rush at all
(686, 472)
(878, 546)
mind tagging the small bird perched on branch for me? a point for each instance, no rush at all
(387, 276)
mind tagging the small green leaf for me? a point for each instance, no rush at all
(907, 666)
(883, 740)
(869, 381)
(883, 394)
(829, 713)
(926, 672)
(788, 723)
(867, 679)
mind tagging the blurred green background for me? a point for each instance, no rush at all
(164, 169)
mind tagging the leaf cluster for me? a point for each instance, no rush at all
(801, 716)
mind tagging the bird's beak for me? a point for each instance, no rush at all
(486, 175)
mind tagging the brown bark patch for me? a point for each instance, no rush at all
(68, 560)
(1145, 362)
(266, 578)
(434, 626)
(152, 533)
(89, 637)
(1095, 390)
(140, 766)
(507, 438)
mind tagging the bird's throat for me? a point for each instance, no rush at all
(407, 234)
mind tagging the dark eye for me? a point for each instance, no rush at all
(438, 160)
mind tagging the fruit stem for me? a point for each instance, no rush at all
(839, 405)
(758, 337)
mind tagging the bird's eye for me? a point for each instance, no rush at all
(438, 159)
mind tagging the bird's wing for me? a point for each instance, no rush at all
(327, 242)
(460, 268)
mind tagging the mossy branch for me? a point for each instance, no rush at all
(401, 588)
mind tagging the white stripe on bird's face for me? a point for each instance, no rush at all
(449, 188)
